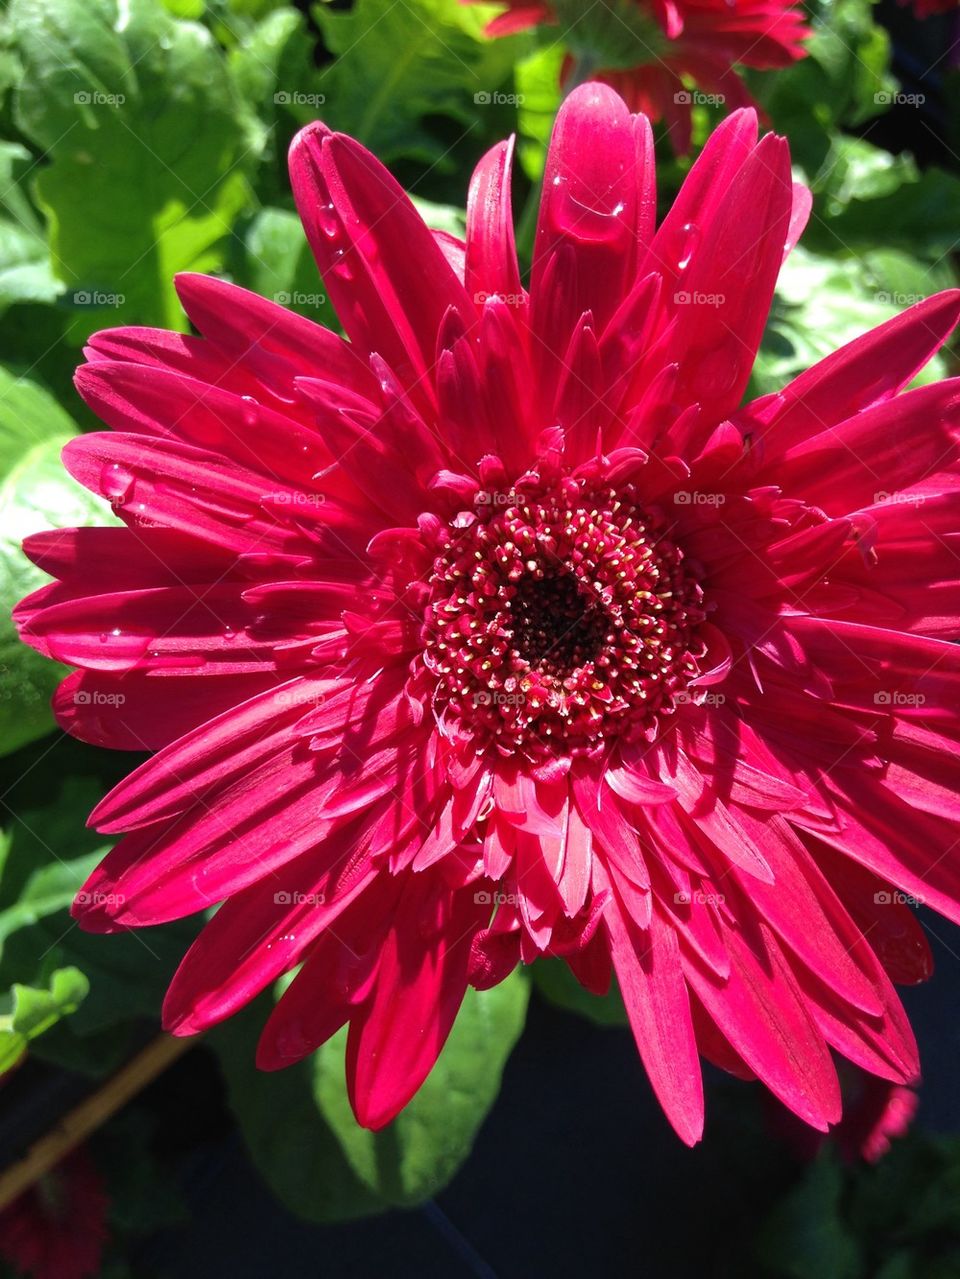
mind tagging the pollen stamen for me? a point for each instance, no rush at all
(562, 618)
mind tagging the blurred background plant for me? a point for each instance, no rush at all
(139, 138)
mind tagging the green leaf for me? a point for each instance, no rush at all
(397, 64)
(416, 1156)
(823, 302)
(538, 87)
(25, 274)
(302, 1135)
(49, 855)
(557, 984)
(147, 143)
(294, 1149)
(144, 1196)
(277, 263)
(272, 59)
(28, 1011)
(272, 62)
(806, 1234)
(843, 81)
(442, 217)
(35, 493)
(920, 210)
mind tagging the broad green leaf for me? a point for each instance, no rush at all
(295, 1150)
(557, 984)
(416, 1156)
(398, 63)
(272, 59)
(856, 169)
(302, 1135)
(185, 8)
(272, 62)
(144, 1197)
(920, 211)
(25, 274)
(28, 1011)
(50, 854)
(538, 87)
(147, 144)
(823, 302)
(277, 263)
(807, 1235)
(441, 217)
(843, 81)
(35, 493)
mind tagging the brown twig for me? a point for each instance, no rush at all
(79, 1123)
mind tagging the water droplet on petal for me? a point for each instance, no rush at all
(251, 412)
(116, 483)
(341, 266)
(329, 222)
(688, 245)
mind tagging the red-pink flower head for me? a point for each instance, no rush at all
(504, 628)
(650, 49)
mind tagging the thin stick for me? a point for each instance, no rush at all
(79, 1123)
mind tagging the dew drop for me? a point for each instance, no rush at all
(116, 483)
(691, 239)
(329, 222)
(251, 412)
(341, 266)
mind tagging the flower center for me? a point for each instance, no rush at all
(560, 614)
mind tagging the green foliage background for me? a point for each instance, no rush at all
(139, 138)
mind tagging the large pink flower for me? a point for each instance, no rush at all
(504, 629)
(658, 44)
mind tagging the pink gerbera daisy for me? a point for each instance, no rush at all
(504, 629)
(649, 47)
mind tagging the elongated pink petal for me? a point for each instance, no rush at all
(655, 996)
